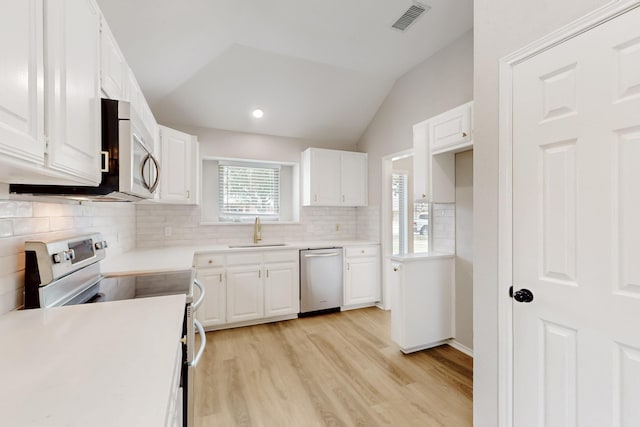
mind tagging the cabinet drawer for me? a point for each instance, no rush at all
(281, 256)
(244, 258)
(356, 251)
(209, 260)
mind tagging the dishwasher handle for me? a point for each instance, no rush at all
(196, 305)
(321, 255)
(203, 344)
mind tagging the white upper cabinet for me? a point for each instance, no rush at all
(113, 69)
(179, 170)
(72, 48)
(435, 143)
(451, 130)
(21, 82)
(353, 173)
(334, 178)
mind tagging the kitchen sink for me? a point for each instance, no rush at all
(257, 245)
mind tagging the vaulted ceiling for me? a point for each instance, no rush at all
(318, 69)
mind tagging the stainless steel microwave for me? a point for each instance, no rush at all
(130, 170)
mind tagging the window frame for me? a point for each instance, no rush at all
(209, 205)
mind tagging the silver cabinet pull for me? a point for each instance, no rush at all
(196, 305)
(259, 274)
(220, 277)
(203, 344)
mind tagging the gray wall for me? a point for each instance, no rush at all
(441, 82)
(464, 249)
(500, 27)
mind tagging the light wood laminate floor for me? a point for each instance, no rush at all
(340, 369)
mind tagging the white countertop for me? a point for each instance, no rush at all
(420, 256)
(179, 258)
(107, 364)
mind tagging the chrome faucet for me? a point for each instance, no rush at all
(257, 230)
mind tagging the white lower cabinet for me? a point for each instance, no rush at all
(281, 290)
(213, 310)
(421, 302)
(245, 293)
(247, 287)
(361, 275)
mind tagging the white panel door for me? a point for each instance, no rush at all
(245, 293)
(281, 289)
(213, 309)
(354, 179)
(21, 80)
(73, 91)
(576, 230)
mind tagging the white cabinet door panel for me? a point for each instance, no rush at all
(73, 90)
(21, 80)
(179, 166)
(113, 69)
(213, 309)
(353, 175)
(245, 293)
(282, 289)
(325, 177)
(362, 281)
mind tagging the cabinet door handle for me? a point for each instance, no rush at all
(267, 274)
(343, 198)
(220, 277)
(315, 197)
(395, 268)
(464, 134)
(259, 274)
(188, 194)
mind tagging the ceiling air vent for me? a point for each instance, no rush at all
(409, 17)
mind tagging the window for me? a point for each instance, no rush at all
(237, 190)
(421, 215)
(248, 190)
(399, 198)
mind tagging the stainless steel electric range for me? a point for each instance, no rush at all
(67, 271)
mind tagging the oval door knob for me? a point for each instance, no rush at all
(523, 295)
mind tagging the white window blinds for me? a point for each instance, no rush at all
(248, 190)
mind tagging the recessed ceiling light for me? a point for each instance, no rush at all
(257, 113)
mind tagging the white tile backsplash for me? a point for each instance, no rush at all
(444, 227)
(21, 221)
(316, 223)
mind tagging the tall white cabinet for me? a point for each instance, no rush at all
(334, 178)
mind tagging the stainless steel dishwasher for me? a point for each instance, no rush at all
(320, 281)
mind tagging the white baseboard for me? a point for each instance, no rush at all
(463, 348)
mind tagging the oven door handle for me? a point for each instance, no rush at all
(196, 305)
(203, 344)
